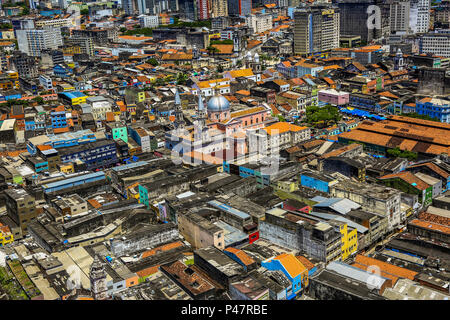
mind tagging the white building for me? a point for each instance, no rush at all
(33, 41)
(435, 43)
(67, 22)
(260, 22)
(100, 106)
(419, 16)
(149, 21)
(46, 82)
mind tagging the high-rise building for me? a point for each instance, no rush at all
(366, 18)
(399, 16)
(188, 9)
(32, 41)
(129, 6)
(219, 8)
(203, 9)
(436, 43)
(419, 18)
(316, 29)
(239, 7)
(260, 22)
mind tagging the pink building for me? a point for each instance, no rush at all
(333, 97)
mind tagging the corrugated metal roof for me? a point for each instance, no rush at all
(340, 205)
(357, 226)
(75, 179)
(357, 274)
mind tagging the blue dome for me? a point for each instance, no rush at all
(218, 103)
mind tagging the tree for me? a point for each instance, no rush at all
(84, 12)
(153, 62)
(123, 29)
(39, 100)
(322, 115)
(25, 11)
(5, 26)
(397, 153)
(219, 68)
(212, 49)
(182, 78)
(221, 41)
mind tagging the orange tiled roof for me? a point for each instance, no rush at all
(243, 92)
(408, 177)
(242, 113)
(281, 127)
(224, 48)
(61, 130)
(308, 264)
(241, 255)
(430, 225)
(434, 168)
(382, 273)
(386, 267)
(337, 152)
(94, 203)
(241, 73)
(292, 265)
(162, 248)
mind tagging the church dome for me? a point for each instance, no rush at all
(218, 104)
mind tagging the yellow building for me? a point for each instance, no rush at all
(9, 80)
(5, 235)
(349, 241)
(67, 168)
(141, 96)
(287, 186)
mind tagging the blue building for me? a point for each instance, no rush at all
(58, 119)
(293, 269)
(434, 108)
(364, 101)
(62, 71)
(95, 155)
(321, 182)
(38, 164)
(62, 140)
(249, 170)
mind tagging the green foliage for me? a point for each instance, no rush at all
(25, 11)
(326, 115)
(84, 12)
(123, 29)
(148, 32)
(419, 116)
(212, 49)
(182, 78)
(221, 41)
(39, 100)
(5, 26)
(13, 102)
(397, 153)
(219, 68)
(281, 118)
(195, 24)
(153, 62)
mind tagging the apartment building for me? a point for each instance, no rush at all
(33, 41)
(316, 29)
